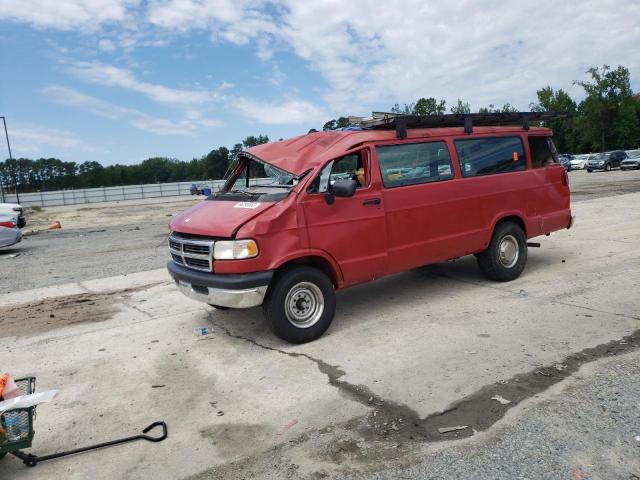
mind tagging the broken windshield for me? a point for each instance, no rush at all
(254, 180)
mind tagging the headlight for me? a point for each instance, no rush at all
(235, 249)
(601, 162)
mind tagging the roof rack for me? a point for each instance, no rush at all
(402, 122)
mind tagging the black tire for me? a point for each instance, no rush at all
(306, 284)
(2, 455)
(218, 307)
(607, 167)
(493, 265)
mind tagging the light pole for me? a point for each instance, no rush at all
(10, 158)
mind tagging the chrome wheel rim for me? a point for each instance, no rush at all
(304, 305)
(508, 251)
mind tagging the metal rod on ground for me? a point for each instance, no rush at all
(10, 158)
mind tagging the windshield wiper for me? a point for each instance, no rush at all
(248, 194)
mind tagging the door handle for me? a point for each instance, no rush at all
(373, 201)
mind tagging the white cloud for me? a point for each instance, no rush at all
(369, 53)
(287, 112)
(65, 14)
(35, 138)
(108, 75)
(106, 45)
(192, 121)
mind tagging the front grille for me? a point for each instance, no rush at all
(194, 254)
(198, 263)
(197, 249)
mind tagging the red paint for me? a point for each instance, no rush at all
(411, 226)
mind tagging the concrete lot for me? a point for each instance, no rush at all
(406, 355)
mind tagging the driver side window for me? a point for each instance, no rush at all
(354, 166)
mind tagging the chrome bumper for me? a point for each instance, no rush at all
(250, 297)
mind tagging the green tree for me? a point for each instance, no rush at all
(563, 129)
(461, 107)
(340, 122)
(429, 106)
(609, 111)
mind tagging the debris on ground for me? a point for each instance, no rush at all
(286, 428)
(220, 413)
(452, 429)
(203, 331)
(500, 399)
(55, 226)
(157, 386)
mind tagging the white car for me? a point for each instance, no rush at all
(579, 162)
(13, 209)
(10, 234)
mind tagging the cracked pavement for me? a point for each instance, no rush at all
(406, 355)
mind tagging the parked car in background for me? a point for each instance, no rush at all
(565, 161)
(14, 209)
(10, 234)
(606, 161)
(632, 161)
(579, 162)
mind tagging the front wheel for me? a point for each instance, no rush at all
(300, 304)
(506, 256)
(607, 168)
(589, 170)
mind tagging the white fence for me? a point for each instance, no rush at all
(113, 194)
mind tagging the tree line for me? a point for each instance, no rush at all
(608, 118)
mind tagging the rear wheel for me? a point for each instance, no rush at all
(589, 170)
(607, 167)
(506, 256)
(300, 304)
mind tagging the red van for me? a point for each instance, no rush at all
(300, 218)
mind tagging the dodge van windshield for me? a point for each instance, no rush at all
(301, 218)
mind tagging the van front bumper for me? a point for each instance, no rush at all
(238, 290)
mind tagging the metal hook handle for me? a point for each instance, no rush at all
(152, 426)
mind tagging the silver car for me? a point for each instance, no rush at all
(10, 234)
(579, 162)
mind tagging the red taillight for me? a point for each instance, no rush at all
(8, 224)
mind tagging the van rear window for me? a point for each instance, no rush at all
(412, 163)
(488, 156)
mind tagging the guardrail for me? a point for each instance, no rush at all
(114, 194)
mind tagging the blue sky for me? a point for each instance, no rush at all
(118, 81)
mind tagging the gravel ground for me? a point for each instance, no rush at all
(588, 427)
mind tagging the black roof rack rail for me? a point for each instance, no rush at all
(402, 122)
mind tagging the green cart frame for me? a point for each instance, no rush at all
(21, 419)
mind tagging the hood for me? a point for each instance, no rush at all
(8, 207)
(217, 218)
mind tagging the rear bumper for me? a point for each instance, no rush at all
(241, 290)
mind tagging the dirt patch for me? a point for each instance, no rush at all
(53, 313)
(233, 439)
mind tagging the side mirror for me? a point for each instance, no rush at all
(344, 188)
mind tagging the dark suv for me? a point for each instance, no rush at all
(606, 161)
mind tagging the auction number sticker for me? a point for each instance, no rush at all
(247, 205)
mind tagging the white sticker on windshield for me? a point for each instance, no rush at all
(247, 205)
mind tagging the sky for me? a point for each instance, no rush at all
(118, 81)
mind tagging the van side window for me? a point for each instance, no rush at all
(354, 166)
(488, 156)
(543, 151)
(412, 163)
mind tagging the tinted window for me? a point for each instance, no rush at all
(486, 156)
(543, 151)
(414, 163)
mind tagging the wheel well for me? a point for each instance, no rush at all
(317, 262)
(515, 219)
